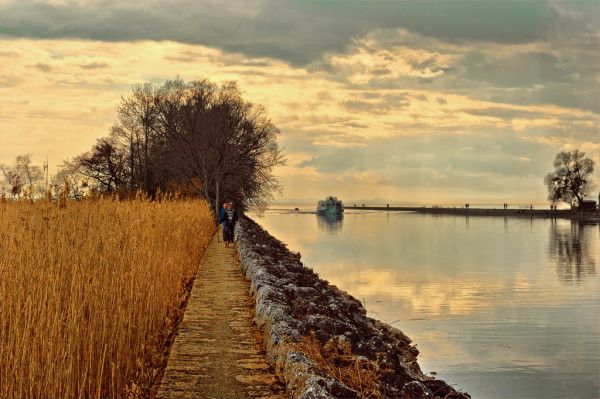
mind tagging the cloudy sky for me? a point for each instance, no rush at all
(407, 102)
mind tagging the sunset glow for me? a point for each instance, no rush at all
(386, 103)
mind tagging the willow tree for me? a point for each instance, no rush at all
(571, 179)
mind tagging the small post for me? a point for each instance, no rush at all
(46, 170)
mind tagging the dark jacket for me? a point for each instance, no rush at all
(223, 217)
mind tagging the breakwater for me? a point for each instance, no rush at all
(525, 213)
(318, 338)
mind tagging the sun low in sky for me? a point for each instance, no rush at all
(402, 101)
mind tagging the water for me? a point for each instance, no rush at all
(499, 307)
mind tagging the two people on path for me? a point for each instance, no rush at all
(228, 218)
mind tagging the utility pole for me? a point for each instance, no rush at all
(46, 170)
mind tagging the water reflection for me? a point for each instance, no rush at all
(570, 247)
(330, 223)
(480, 296)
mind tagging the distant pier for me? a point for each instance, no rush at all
(526, 213)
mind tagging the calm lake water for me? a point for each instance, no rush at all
(499, 307)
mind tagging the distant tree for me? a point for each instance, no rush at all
(67, 176)
(571, 179)
(104, 165)
(11, 181)
(23, 178)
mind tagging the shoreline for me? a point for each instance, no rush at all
(318, 338)
(521, 213)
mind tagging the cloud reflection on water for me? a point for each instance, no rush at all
(486, 301)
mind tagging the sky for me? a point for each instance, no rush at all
(400, 102)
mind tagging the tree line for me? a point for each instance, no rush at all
(202, 139)
(197, 138)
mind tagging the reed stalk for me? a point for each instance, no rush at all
(89, 291)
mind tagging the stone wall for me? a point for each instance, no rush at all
(318, 338)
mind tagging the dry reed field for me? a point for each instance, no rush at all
(89, 292)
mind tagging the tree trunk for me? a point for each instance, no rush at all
(205, 184)
(132, 164)
(217, 198)
(146, 183)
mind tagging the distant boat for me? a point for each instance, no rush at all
(330, 206)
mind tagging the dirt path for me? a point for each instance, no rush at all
(218, 350)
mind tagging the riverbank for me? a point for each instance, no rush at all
(523, 213)
(318, 338)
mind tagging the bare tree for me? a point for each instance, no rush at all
(68, 176)
(137, 120)
(214, 135)
(251, 149)
(12, 181)
(571, 179)
(104, 164)
(183, 113)
(23, 178)
(196, 135)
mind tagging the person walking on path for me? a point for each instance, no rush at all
(228, 218)
(221, 218)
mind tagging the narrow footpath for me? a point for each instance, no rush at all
(218, 351)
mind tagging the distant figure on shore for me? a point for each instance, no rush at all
(228, 218)
(467, 206)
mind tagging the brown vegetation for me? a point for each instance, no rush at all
(90, 292)
(337, 359)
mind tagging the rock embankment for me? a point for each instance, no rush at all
(318, 338)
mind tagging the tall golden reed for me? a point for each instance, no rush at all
(89, 291)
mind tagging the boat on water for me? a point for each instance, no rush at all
(330, 206)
